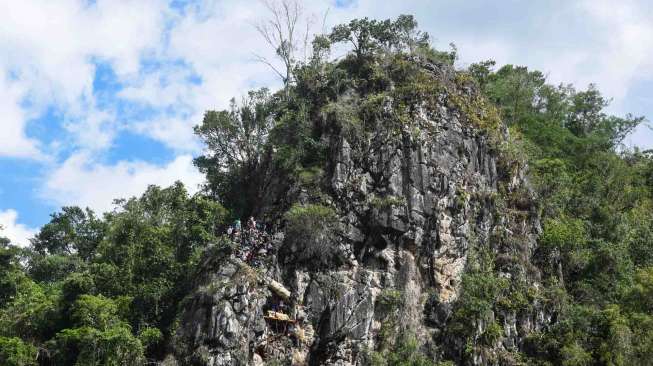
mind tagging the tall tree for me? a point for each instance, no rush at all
(287, 31)
(237, 146)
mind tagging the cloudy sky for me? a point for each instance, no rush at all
(98, 98)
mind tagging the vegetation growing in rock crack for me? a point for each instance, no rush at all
(310, 234)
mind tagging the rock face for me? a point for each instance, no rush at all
(414, 201)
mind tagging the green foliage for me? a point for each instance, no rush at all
(426, 52)
(368, 37)
(236, 142)
(575, 355)
(75, 285)
(387, 202)
(595, 204)
(15, 352)
(310, 233)
(390, 299)
(32, 313)
(640, 294)
(90, 346)
(493, 332)
(73, 230)
(314, 215)
(89, 286)
(150, 338)
(238, 136)
(405, 352)
(11, 275)
(53, 267)
(481, 288)
(568, 238)
(310, 177)
(99, 336)
(95, 311)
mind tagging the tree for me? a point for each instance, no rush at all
(96, 311)
(3, 240)
(10, 270)
(281, 31)
(71, 231)
(107, 290)
(526, 100)
(370, 36)
(236, 137)
(237, 146)
(15, 352)
(90, 346)
(151, 247)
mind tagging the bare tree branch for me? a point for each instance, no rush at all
(281, 31)
(264, 60)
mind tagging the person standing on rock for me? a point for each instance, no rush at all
(251, 224)
(236, 230)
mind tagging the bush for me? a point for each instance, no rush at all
(90, 346)
(382, 203)
(406, 352)
(575, 355)
(390, 299)
(310, 233)
(150, 337)
(492, 333)
(77, 284)
(15, 352)
(564, 234)
(52, 268)
(95, 311)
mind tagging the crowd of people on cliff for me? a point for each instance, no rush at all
(253, 241)
(253, 246)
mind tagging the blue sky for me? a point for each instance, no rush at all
(98, 98)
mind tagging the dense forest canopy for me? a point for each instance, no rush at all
(106, 289)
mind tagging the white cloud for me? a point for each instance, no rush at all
(94, 130)
(176, 133)
(625, 31)
(55, 42)
(84, 182)
(50, 50)
(13, 141)
(19, 234)
(216, 42)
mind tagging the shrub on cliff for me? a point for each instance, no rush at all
(310, 233)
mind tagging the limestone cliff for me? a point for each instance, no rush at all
(419, 197)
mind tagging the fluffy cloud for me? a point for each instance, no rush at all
(50, 51)
(625, 31)
(9, 227)
(56, 43)
(13, 141)
(215, 42)
(84, 182)
(203, 54)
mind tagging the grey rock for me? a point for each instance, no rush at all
(413, 248)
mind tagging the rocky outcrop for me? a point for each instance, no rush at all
(413, 200)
